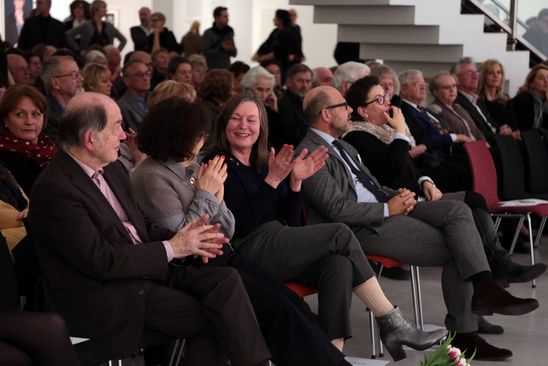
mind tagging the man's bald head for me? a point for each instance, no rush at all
(19, 68)
(84, 112)
(316, 100)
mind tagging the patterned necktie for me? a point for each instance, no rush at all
(442, 130)
(362, 176)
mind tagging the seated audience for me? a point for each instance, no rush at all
(347, 73)
(172, 135)
(62, 81)
(529, 105)
(133, 103)
(95, 56)
(160, 60)
(24, 149)
(391, 223)
(113, 62)
(35, 67)
(215, 91)
(161, 36)
(238, 69)
(322, 76)
(120, 280)
(492, 99)
(263, 192)
(199, 70)
(179, 69)
(383, 144)
(95, 31)
(467, 76)
(453, 117)
(97, 79)
(18, 68)
(275, 69)
(290, 105)
(437, 154)
(260, 83)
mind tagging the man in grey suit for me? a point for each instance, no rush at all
(392, 224)
(136, 76)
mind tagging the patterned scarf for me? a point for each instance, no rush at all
(385, 133)
(41, 152)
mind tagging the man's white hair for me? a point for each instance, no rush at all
(349, 72)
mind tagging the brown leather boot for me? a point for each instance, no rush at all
(490, 298)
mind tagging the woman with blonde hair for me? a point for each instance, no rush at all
(492, 99)
(530, 106)
(97, 78)
(171, 88)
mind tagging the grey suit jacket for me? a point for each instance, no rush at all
(331, 194)
(86, 30)
(166, 194)
(454, 121)
(132, 113)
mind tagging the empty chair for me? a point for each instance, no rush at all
(536, 162)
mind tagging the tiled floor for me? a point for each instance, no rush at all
(526, 335)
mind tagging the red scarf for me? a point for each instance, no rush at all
(41, 152)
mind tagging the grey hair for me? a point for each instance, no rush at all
(349, 72)
(51, 68)
(110, 48)
(381, 70)
(433, 85)
(92, 56)
(406, 75)
(76, 121)
(315, 106)
(197, 59)
(253, 74)
(455, 69)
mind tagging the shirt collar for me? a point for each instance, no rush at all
(327, 137)
(87, 169)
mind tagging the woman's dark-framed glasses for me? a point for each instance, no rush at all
(381, 99)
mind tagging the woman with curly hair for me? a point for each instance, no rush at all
(216, 90)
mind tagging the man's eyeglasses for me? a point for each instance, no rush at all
(448, 87)
(72, 74)
(381, 99)
(343, 104)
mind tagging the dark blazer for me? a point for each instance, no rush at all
(335, 191)
(40, 29)
(24, 170)
(423, 131)
(54, 114)
(139, 38)
(96, 275)
(132, 112)
(482, 122)
(293, 125)
(523, 112)
(167, 41)
(456, 120)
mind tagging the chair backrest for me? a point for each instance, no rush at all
(484, 173)
(536, 161)
(511, 169)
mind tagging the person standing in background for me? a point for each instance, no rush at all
(218, 41)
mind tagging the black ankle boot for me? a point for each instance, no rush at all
(471, 342)
(484, 327)
(396, 331)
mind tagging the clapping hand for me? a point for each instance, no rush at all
(306, 166)
(212, 176)
(279, 165)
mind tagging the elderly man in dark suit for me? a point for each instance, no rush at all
(136, 75)
(110, 277)
(391, 223)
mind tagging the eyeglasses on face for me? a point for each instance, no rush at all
(381, 99)
(343, 104)
(72, 74)
(448, 87)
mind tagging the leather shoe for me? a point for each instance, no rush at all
(519, 273)
(395, 332)
(484, 327)
(490, 298)
(484, 351)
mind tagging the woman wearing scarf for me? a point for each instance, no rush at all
(24, 149)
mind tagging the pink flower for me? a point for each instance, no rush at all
(454, 354)
(461, 362)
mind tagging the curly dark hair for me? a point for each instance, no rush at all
(217, 86)
(171, 129)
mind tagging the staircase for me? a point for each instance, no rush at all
(429, 35)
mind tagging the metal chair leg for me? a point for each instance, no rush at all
(530, 228)
(497, 223)
(181, 352)
(516, 234)
(419, 296)
(372, 327)
(540, 230)
(417, 306)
